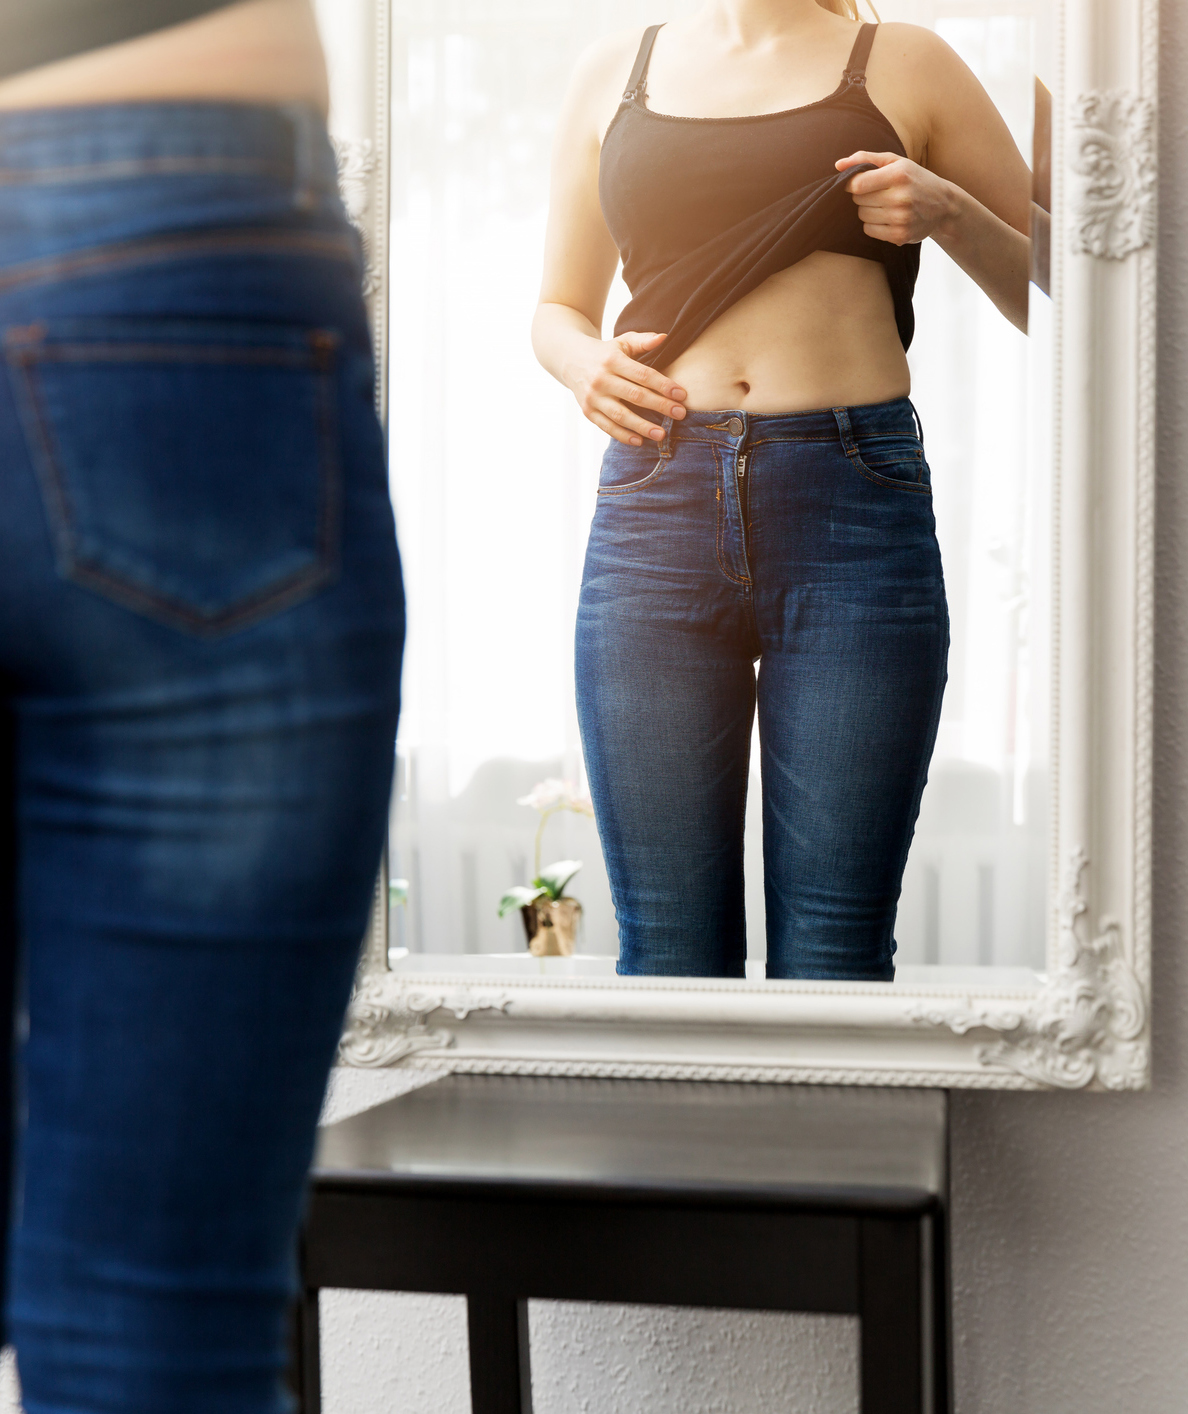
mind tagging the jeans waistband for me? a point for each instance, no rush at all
(736, 428)
(101, 142)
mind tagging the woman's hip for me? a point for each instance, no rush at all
(826, 508)
(89, 190)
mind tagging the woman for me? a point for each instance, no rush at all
(200, 636)
(766, 170)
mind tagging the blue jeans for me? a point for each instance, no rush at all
(806, 543)
(201, 624)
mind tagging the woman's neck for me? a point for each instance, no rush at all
(749, 24)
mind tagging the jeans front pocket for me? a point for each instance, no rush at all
(896, 461)
(189, 467)
(625, 469)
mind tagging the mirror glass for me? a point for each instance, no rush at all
(494, 476)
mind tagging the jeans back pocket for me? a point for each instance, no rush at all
(189, 468)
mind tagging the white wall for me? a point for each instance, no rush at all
(1070, 1211)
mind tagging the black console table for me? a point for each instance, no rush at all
(760, 1197)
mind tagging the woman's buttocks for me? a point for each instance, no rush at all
(821, 333)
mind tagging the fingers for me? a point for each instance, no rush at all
(614, 384)
(622, 423)
(604, 424)
(641, 376)
(626, 367)
(894, 213)
(867, 183)
(880, 159)
(893, 235)
(634, 392)
(635, 342)
(891, 216)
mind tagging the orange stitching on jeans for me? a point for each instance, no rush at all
(746, 583)
(96, 258)
(629, 486)
(892, 483)
(140, 167)
(273, 598)
(165, 353)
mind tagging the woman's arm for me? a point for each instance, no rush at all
(580, 263)
(971, 192)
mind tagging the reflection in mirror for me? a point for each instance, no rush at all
(495, 476)
(1041, 189)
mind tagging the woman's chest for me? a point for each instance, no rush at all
(678, 182)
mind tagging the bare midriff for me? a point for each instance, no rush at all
(260, 51)
(819, 334)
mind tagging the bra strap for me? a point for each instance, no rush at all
(637, 84)
(860, 55)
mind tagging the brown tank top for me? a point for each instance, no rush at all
(703, 210)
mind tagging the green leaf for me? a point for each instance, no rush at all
(519, 897)
(553, 878)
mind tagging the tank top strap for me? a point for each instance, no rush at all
(638, 82)
(860, 54)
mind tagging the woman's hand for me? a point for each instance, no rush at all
(902, 202)
(605, 379)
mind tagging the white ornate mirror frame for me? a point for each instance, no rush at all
(1083, 1023)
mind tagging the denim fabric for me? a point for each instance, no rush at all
(804, 543)
(201, 624)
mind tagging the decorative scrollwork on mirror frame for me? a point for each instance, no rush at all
(1087, 1022)
(384, 1026)
(356, 160)
(1113, 173)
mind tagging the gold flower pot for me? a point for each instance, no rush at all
(551, 925)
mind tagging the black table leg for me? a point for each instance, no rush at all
(942, 1305)
(305, 1361)
(500, 1368)
(891, 1311)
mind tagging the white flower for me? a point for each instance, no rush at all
(555, 794)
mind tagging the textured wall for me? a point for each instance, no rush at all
(396, 1354)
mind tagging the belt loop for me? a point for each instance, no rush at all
(666, 447)
(919, 424)
(845, 431)
(306, 125)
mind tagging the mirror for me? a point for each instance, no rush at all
(494, 541)
(1023, 897)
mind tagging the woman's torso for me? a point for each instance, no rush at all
(822, 331)
(260, 51)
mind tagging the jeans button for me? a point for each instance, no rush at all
(735, 426)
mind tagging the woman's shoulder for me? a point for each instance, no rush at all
(912, 50)
(609, 59)
(600, 75)
(918, 81)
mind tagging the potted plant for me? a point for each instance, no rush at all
(550, 916)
